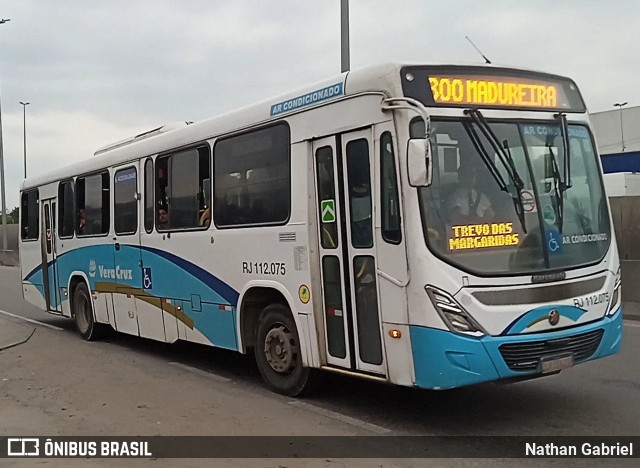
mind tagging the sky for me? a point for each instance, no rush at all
(95, 72)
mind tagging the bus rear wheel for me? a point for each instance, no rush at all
(277, 351)
(87, 327)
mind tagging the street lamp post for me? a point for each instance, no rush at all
(4, 197)
(620, 105)
(24, 126)
(3, 194)
(344, 36)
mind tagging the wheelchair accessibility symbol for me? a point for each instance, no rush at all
(147, 282)
(554, 242)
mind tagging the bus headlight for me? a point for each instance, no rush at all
(452, 313)
(616, 298)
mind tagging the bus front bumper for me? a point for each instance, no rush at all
(443, 359)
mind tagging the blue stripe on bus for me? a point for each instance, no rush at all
(36, 270)
(201, 294)
(215, 283)
(443, 359)
(229, 294)
(538, 314)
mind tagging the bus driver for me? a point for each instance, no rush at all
(467, 204)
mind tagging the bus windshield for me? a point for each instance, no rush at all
(506, 204)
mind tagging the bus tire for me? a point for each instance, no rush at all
(86, 325)
(277, 351)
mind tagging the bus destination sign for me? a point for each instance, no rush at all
(494, 91)
(486, 87)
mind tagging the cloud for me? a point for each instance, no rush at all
(62, 138)
(96, 72)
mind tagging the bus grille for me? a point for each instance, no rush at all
(526, 356)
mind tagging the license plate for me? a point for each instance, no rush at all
(556, 363)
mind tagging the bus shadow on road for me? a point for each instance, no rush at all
(217, 361)
(487, 409)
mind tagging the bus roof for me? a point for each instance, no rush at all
(377, 78)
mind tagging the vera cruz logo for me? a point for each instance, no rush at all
(92, 268)
(109, 273)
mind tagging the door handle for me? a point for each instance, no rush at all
(117, 246)
(393, 280)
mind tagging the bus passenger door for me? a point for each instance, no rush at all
(49, 266)
(126, 276)
(153, 321)
(344, 174)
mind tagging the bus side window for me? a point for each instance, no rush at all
(390, 202)
(66, 211)
(93, 204)
(30, 225)
(149, 212)
(180, 181)
(252, 183)
(125, 188)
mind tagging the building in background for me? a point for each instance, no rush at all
(617, 134)
(621, 164)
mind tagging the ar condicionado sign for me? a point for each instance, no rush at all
(492, 92)
(478, 236)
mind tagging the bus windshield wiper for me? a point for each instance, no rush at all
(491, 165)
(564, 132)
(558, 186)
(500, 149)
(495, 172)
(504, 155)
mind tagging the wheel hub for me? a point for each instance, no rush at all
(280, 349)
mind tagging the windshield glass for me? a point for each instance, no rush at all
(470, 212)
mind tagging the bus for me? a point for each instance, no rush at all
(433, 226)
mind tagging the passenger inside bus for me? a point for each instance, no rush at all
(467, 204)
(205, 217)
(204, 197)
(163, 218)
(82, 221)
(361, 230)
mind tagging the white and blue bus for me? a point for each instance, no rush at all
(425, 225)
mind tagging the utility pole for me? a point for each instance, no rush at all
(24, 127)
(3, 194)
(344, 35)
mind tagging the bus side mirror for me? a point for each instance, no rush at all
(419, 162)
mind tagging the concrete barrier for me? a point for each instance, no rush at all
(9, 257)
(625, 212)
(630, 270)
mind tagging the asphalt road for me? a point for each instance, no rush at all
(55, 384)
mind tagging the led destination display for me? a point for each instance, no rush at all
(487, 87)
(483, 91)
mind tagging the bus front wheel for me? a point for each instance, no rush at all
(277, 351)
(87, 327)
